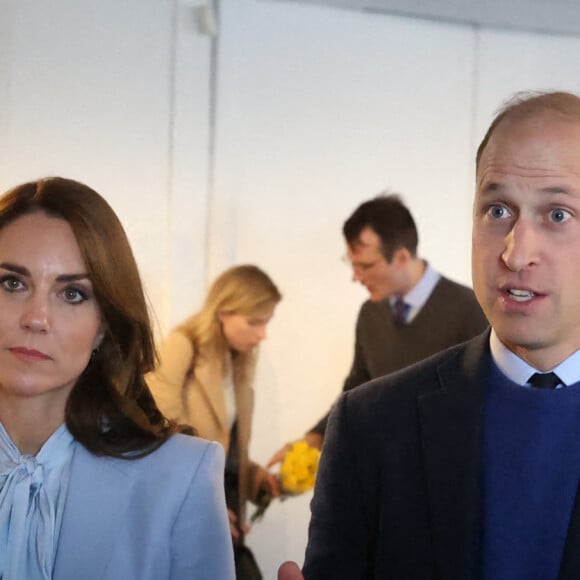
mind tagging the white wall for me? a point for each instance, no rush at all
(114, 93)
(317, 110)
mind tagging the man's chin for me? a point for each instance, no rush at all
(523, 341)
(376, 297)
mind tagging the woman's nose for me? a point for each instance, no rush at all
(262, 332)
(35, 315)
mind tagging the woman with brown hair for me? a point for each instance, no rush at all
(205, 379)
(94, 481)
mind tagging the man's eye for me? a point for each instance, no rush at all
(498, 212)
(559, 215)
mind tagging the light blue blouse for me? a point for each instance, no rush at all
(33, 491)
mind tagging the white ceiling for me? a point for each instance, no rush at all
(550, 16)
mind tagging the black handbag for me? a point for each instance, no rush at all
(246, 565)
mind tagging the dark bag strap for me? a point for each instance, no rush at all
(246, 565)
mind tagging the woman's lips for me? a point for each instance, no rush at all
(29, 354)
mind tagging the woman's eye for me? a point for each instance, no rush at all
(559, 215)
(74, 295)
(11, 284)
(498, 212)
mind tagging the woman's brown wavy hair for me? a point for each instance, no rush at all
(110, 410)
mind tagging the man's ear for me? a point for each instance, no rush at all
(401, 257)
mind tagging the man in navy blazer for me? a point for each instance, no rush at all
(466, 465)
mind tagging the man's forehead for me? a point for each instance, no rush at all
(543, 143)
(367, 238)
(359, 244)
(541, 123)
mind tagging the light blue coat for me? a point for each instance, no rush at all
(159, 517)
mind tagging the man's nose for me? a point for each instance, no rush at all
(356, 274)
(522, 246)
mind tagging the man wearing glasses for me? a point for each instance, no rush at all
(412, 311)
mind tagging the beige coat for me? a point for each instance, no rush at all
(195, 395)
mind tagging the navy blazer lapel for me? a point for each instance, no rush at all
(570, 566)
(451, 433)
(98, 494)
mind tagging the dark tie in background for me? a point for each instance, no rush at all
(400, 311)
(544, 380)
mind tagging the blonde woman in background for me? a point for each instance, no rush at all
(205, 379)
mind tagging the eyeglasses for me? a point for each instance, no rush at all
(360, 267)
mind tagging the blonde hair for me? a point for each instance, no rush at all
(244, 290)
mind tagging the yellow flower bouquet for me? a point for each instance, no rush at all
(297, 475)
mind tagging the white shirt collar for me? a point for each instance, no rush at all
(419, 294)
(519, 371)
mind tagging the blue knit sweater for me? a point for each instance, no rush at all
(531, 459)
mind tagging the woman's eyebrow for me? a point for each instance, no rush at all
(15, 268)
(25, 272)
(72, 277)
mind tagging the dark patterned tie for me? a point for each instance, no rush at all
(400, 311)
(544, 380)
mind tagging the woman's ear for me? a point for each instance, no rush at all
(221, 316)
(99, 336)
